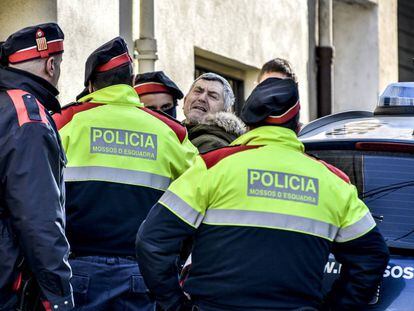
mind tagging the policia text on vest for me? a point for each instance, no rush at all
(124, 143)
(283, 186)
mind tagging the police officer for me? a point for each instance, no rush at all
(265, 217)
(121, 158)
(158, 92)
(32, 220)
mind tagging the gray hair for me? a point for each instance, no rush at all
(228, 94)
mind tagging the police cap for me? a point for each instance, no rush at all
(112, 54)
(156, 82)
(274, 101)
(33, 42)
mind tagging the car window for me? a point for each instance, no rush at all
(385, 182)
(389, 193)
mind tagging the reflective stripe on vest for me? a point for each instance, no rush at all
(357, 229)
(271, 220)
(290, 222)
(116, 175)
(181, 209)
(226, 217)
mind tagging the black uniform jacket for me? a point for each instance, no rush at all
(32, 218)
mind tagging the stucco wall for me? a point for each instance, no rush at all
(87, 25)
(388, 42)
(356, 72)
(17, 14)
(82, 35)
(251, 32)
(365, 39)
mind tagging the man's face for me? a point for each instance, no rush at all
(157, 101)
(205, 97)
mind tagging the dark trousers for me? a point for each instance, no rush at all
(109, 283)
(199, 306)
(8, 305)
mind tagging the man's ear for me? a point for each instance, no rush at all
(50, 66)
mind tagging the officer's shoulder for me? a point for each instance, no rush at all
(26, 107)
(69, 111)
(211, 158)
(175, 125)
(332, 168)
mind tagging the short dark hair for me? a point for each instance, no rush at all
(278, 65)
(118, 75)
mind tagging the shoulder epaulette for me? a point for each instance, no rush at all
(67, 113)
(332, 168)
(211, 158)
(174, 124)
(28, 108)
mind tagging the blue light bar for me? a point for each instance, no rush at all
(397, 94)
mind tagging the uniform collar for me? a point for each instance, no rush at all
(12, 78)
(270, 135)
(119, 94)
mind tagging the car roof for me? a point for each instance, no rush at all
(359, 126)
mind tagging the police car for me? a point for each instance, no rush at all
(376, 150)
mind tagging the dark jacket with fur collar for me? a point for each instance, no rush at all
(215, 131)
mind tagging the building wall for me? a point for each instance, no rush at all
(87, 25)
(388, 42)
(356, 72)
(251, 32)
(84, 31)
(366, 55)
(239, 33)
(17, 14)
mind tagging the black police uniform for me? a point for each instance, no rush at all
(32, 218)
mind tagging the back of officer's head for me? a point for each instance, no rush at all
(36, 49)
(276, 68)
(110, 64)
(274, 102)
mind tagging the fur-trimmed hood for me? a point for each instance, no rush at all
(215, 131)
(227, 121)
